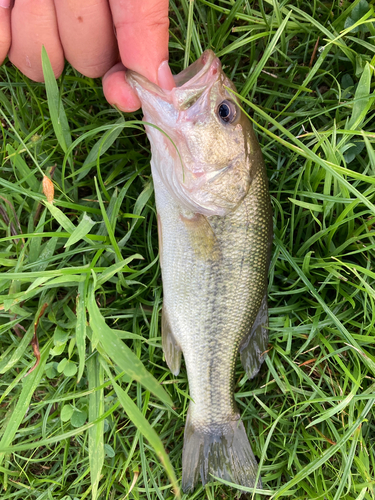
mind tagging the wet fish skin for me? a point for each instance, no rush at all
(215, 232)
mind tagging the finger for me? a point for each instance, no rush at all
(142, 34)
(87, 35)
(34, 25)
(118, 92)
(4, 29)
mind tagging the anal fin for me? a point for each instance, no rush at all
(172, 350)
(256, 342)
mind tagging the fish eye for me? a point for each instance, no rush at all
(227, 111)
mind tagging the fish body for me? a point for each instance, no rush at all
(215, 232)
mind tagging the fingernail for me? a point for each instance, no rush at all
(5, 4)
(165, 77)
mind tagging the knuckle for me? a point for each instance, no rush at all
(155, 18)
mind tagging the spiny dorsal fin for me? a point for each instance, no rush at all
(172, 350)
(256, 342)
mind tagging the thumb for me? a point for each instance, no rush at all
(142, 34)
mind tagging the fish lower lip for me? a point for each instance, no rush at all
(135, 78)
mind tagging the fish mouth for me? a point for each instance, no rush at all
(141, 84)
(198, 71)
(190, 83)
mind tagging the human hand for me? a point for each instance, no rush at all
(82, 31)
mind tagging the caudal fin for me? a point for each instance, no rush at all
(224, 453)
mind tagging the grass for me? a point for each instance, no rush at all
(91, 421)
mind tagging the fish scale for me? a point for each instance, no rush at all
(215, 233)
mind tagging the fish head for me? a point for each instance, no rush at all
(203, 147)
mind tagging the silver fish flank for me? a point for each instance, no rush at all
(215, 233)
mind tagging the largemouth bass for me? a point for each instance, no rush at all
(215, 233)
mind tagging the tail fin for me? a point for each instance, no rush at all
(224, 453)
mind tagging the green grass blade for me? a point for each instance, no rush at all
(116, 246)
(72, 433)
(141, 202)
(362, 99)
(100, 147)
(83, 228)
(30, 384)
(302, 149)
(96, 409)
(121, 354)
(81, 327)
(114, 269)
(22, 168)
(148, 432)
(189, 33)
(349, 461)
(333, 411)
(260, 66)
(7, 363)
(61, 218)
(348, 337)
(328, 454)
(58, 117)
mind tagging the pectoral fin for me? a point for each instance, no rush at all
(172, 350)
(256, 343)
(202, 237)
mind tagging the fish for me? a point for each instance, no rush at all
(215, 235)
